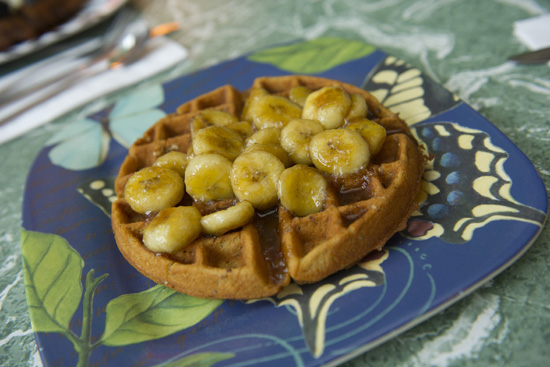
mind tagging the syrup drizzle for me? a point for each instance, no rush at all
(267, 224)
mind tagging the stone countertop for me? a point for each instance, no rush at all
(461, 44)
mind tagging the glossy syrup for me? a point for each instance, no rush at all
(267, 224)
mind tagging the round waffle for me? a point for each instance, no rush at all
(361, 212)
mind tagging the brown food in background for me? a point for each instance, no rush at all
(32, 20)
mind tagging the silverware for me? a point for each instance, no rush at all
(76, 57)
(532, 57)
(128, 49)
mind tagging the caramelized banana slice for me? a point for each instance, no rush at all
(228, 219)
(153, 189)
(328, 105)
(243, 128)
(358, 108)
(275, 149)
(295, 138)
(273, 111)
(254, 95)
(254, 178)
(172, 229)
(218, 139)
(269, 135)
(211, 116)
(298, 94)
(339, 151)
(174, 160)
(302, 190)
(373, 133)
(207, 178)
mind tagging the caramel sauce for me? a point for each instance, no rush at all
(267, 224)
(354, 187)
(348, 219)
(354, 194)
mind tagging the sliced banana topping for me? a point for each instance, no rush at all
(339, 151)
(211, 116)
(254, 177)
(275, 149)
(243, 128)
(207, 178)
(153, 189)
(252, 97)
(228, 158)
(174, 160)
(302, 190)
(196, 124)
(295, 138)
(328, 105)
(269, 135)
(228, 219)
(358, 108)
(218, 139)
(373, 133)
(172, 229)
(299, 94)
(272, 111)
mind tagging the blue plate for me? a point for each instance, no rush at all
(484, 205)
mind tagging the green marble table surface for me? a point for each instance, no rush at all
(462, 44)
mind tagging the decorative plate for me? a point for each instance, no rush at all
(484, 205)
(92, 13)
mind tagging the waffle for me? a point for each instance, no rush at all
(362, 210)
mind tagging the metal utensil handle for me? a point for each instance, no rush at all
(91, 51)
(51, 91)
(21, 93)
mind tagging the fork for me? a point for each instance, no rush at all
(127, 50)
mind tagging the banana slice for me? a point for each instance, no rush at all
(273, 111)
(190, 153)
(195, 125)
(302, 190)
(269, 135)
(207, 178)
(358, 108)
(275, 149)
(172, 229)
(218, 139)
(228, 219)
(254, 177)
(153, 189)
(252, 97)
(174, 160)
(298, 94)
(243, 128)
(211, 116)
(295, 138)
(373, 133)
(339, 151)
(328, 105)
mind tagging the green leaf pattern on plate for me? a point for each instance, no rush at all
(53, 272)
(152, 314)
(313, 56)
(52, 280)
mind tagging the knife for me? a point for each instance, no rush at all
(532, 57)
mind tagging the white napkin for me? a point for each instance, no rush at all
(534, 32)
(160, 54)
